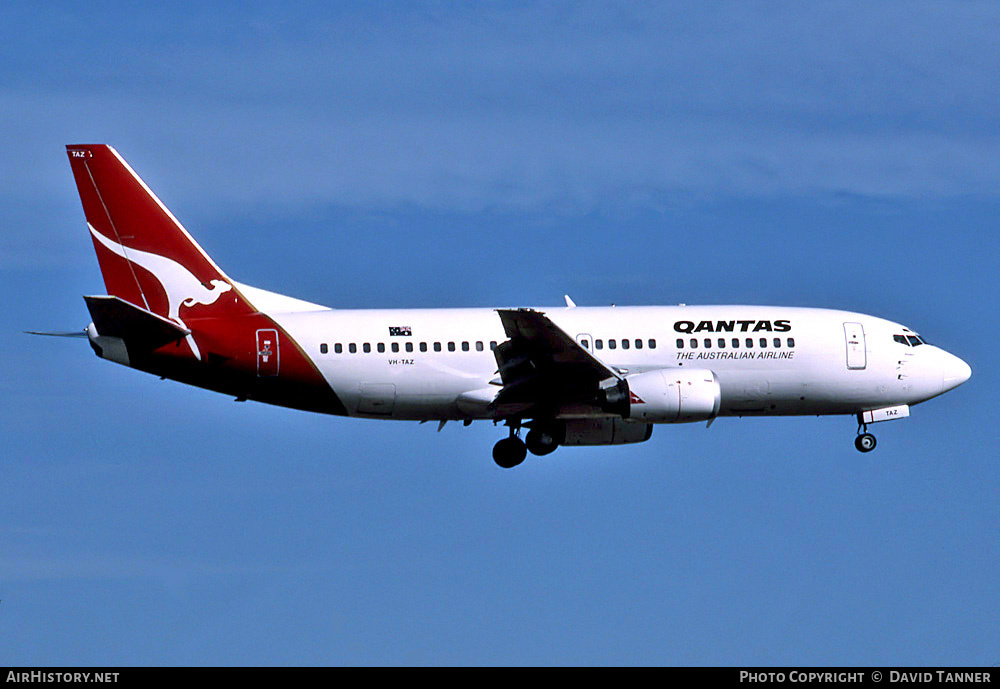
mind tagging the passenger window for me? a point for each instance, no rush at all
(352, 348)
(395, 346)
(736, 343)
(465, 346)
(638, 343)
(381, 347)
(409, 346)
(479, 345)
(777, 342)
(694, 343)
(585, 343)
(791, 341)
(423, 346)
(323, 348)
(763, 342)
(680, 343)
(598, 344)
(722, 343)
(437, 346)
(451, 346)
(493, 345)
(749, 343)
(708, 343)
(612, 344)
(367, 347)
(338, 348)
(624, 344)
(652, 344)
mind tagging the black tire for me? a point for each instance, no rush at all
(509, 452)
(865, 442)
(540, 442)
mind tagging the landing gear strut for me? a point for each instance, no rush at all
(865, 442)
(510, 451)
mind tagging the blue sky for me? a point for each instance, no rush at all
(426, 154)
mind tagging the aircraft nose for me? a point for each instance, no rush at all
(954, 372)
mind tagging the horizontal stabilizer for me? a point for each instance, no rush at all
(140, 329)
(63, 333)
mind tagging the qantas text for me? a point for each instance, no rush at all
(781, 326)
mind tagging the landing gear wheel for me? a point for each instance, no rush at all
(541, 442)
(509, 452)
(865, 442)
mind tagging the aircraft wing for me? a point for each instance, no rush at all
(543, 369)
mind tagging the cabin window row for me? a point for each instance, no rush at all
(380, 347)
(734, 343)
(625, 344)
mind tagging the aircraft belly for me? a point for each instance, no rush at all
(403, 393)
(786, 392)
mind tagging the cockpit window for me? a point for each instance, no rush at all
(909, 340)
(901, 339)
(914, 340)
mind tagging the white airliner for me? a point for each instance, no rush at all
(570, 375)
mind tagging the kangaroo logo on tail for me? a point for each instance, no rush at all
(179, 283)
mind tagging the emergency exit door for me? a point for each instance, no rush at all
(854, 334)
(267, 352)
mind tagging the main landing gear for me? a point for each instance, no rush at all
(511, 451)
(865, 442)
(541, 441)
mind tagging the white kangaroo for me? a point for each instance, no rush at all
(179, 283)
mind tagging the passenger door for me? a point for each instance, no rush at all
(854, 334)
(267, 352)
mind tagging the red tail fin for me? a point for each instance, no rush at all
(145, 254)
(176, 294)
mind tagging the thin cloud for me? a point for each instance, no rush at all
(537, 107)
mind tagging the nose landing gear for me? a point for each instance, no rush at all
(865, 442)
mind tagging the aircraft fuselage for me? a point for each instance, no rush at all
(768, 360)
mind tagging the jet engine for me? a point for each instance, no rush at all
(674, 395)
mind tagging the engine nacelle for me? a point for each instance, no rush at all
(604, 431)
(674, 395)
